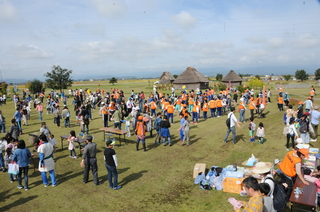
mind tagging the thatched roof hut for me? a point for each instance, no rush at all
(166, 78)
(192, 79)
(233, 78)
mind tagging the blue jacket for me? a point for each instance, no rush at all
(21, 157)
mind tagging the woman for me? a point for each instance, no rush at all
(292, 133)
(66, 116)
(21, 157)
(14, 130)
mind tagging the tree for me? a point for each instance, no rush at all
(317, 74)
(58, 78)
(219, 77)
(3, 87)
(35, 86)
(255, 83)
(287, 77)
(257, 76)
(301, 75)
(113, 80)
(175, 76)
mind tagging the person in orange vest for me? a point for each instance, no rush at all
(184, 98)
(280, 102)
(252, 106)
(242, 111)
(170, 111)
(153, 106)
(190, 104)
(205, 108)
(195, 112)
(291, 167)
(141, 133)
(178, 104)
(312, 93)
(213, 107)
(105, 114)
(165, 104)
(219, 106)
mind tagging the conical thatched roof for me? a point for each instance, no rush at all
(191, 75)
(232, 77)
(166, 78)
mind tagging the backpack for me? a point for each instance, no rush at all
(156, 124)
(279, 195)
(228, 121)
(304, 126)
(253, 126)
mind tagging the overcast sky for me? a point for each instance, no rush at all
(147, 37)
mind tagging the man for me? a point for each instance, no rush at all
(291, 167)
(111, 160)
(232, 128)
(40, 110)
(251, 186)
(269, 95)
(170, 111)
(315, 115)
(105, 114)
(89, 160)
(46, 163)
(308, 104)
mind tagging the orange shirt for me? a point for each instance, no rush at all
(184, 112)
(111, 106)
(311, 92)
(184, 97)
(170, 108)
(205, 107)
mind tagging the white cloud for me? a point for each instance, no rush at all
(185, 20)
(29, 51)
(307, 41)
(96, 50)
(110, 8)
(276, 42)
(256, 39)
(8, 12)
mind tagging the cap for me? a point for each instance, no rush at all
(305, 152)
(140, 117)
(300, 103)
(306, 113)
(110, 142)
(102, 103)
(316, 107)
(276, 161)
(309, 97)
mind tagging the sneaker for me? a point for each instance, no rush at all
(110, 186)
(165, 144)
(55, 185)
(180, 141)
(313, 140)
(26, 189)
(287, 149)
(19, 187)
(116, 188)
(46, 185)
(11, 181)
(170, 144)
(74, 157)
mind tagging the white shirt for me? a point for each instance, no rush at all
(233, 119)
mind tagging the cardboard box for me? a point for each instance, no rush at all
(232, 185)
(199, 167)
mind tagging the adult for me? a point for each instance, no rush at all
(39, 108)
(242, 111)
(251, 186)
(14, 130)
(263, 170)
(305, 129)
(186, 129)
(309, 105)
(165, 132)
(2, 123)
(21, 157)
(269, 96)
(181, 132)
(111, 160)
(280, 102)
(286, 99)
(116, 118)
(314, 116)
(46, 163)
(57, 115)
(89, 160)
(232, 128)
(141, 133)
(66, 116)
(289, 114)
(18, 117)
(105, 114)
(84, 123)
(156, 126)
(291, 167)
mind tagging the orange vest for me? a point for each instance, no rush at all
(184, 97)
(280, 100)
(196, 108)
(251, 105)
(212, 103)
(153, 105)
(184, 112)
(165, 104)
(179, 101)
(219, 102)
(141, 130)
(170, 108)
(104, 110)
(241, 106)
(311, 92)
(111, 107)
(205, 107)
(287, 166)
(190, 101)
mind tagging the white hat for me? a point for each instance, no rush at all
(261, 168)
(102, 103)
(299, 141)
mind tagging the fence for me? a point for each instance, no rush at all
(306, 85)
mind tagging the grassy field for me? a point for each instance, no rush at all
(157, 180)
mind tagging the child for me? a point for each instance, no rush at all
(53, 141)
(8, 159)
(297, 124)
(127, 120)
(267, 201)
(252, 128)
(186, 129)
(260, 133)
(71, 146)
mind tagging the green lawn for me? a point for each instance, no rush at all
(157, 180)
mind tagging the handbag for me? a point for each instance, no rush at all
(13, 168)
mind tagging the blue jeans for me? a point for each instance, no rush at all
(139, 139)
(67, 122)
(25, 174)
(85, 128)
(1, 160)
(52, 177)
(205, 114)
(3, 127)
(170, 115)
(181, 134)
(117, 125)
(213, 112)
(242, 115)
(40, 115)
(194, 116)
(89, 114)
(112, 172)
(105, 120)
(219, 111)
(153, 111)
(233, 130)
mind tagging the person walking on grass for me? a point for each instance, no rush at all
(71, 146)
(314, 116)
(292, 133)
(111, 161)
(186, 129)
(232, 128)
(141, 133)
(89, 160)
(165, 132)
